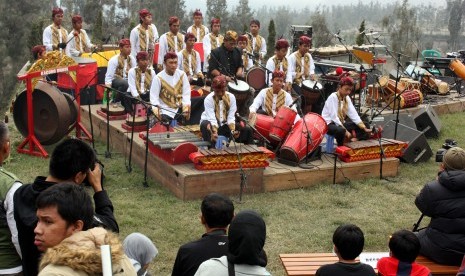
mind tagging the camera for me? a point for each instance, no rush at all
(448, 143)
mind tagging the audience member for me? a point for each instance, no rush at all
(348, 243)
(217, 212)
(443, 240)
(64, 232)
(10, 254)
(141, 251)
(72, 161)
(247, 234)
(404, 248)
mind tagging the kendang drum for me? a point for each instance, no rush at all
(457, 67)
(428, 83)
(263, 124)
(299, 140)
(410, 98)
(282, 124)
(374, 94)
(240, 91)
(311, 90)
(256, 78)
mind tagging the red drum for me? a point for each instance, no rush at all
(256, 78)
(156, 50)
(295, 147)
(410, 98)
(311, 90)
(240, 91)
(283, 123)
(263, 124)
(198, 46)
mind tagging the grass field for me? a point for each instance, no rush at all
(299, 220)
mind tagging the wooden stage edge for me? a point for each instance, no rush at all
(187, 183)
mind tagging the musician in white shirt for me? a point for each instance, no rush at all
(280, 62)
(171, 41)
(81, 42)
(211, 41)
(199, 30)
(189, 61)
(144, 35)
(257, 43)
(140, 78)
(170, 93)
(242, 42)
(54, 35)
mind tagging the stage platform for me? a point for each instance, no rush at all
(187, 183)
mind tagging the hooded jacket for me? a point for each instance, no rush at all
(80, 254)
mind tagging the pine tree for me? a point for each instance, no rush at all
(271, 40)
(361, 35)
(97, 35)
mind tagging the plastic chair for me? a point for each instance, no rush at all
(430, 53)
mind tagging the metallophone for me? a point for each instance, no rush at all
(369, 149)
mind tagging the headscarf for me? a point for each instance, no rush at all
(139, 248)
(247, 233)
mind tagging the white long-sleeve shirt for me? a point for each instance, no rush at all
(132, 81)
(155, 90)
(291, 69)
(271, 66)
(47, 38)
(113, 64)
(8, 204)
(262, 49)
(135, 42)
(197, 34)
(260, 100)
(209, 113)
(71, 47)
(163, 46)
(330, 110)
(198, 67)
(207, 48)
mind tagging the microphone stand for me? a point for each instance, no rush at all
(258, 64)
(86, 87)
(254, 129)
(241, 169)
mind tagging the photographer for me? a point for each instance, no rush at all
(72, 161)
(443, 240)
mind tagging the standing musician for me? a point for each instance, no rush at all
(340, 114)
(189, 61)
(199, 30)
(140, 78)
(280, 62)
(270, 100)
(212, 41)
(301, 66)
(170, 92)
(257, 44)
(219, 115)
(81, 42)
(117, 72)
(144, 35)
(54, 36)
(242, 43)
(172, 41)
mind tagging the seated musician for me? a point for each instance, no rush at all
(38, 52)
(81, 42)
(219, 115)
(140, 79)
(279, 62)
(242, 42)
(341, 116)
(189, 61)
(170, 93)
(271, 99)
(117, 72)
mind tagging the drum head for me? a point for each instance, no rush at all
(256, 78)
(311, 85)
(241, 86)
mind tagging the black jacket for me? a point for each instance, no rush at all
(444, 201)
(25, 215)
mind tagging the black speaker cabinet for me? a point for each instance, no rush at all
(418, 149)
(428, 122)
(404, 118)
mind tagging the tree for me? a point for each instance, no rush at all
(455, 23)
(321, 35)
(241, 16)
(271, 40)
(98, 28)
(361, 34)
(218, 9)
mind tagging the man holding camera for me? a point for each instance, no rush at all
(72, 161)
(443, 240)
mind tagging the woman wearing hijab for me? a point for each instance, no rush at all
(141, 251)
(247, 233)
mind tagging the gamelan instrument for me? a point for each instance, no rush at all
(369, 149)
(174, 147)
(263, 124)
(408, 98)
(240, 91)
(298, 143)
(311, 90)
(282, 123)
(227, 158)
(256, 78)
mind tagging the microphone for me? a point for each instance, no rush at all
(336, 35)
(244, 51)
(295, 101)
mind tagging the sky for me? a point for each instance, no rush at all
(257, 4)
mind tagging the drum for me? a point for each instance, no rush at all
(390, 88)
(443, 87)
(410, 98)
(282, 123)
(263, 124)
(374, 94)
(256, 78)
(198, 46)
(428, 83)
(457, 67)
(295, 146)
(240, 91)
(311, 90)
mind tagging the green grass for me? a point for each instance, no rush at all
(299, 220)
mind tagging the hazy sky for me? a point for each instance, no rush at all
(257, 4)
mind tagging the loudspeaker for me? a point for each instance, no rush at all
(418, 149)
(404, 118)
(428, 122)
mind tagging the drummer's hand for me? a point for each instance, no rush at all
(252, 115)
(200, 75)
(348, 134)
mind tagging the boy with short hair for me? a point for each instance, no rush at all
(404, 248)
(348, 243)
